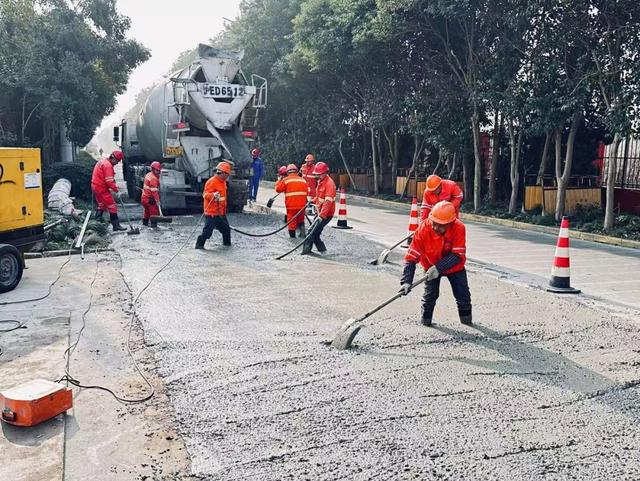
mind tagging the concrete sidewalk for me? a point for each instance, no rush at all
(606, 272)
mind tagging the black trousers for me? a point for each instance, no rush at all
(316, 235)
(218, 222)
(460, 288)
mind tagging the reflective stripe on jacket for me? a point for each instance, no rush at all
(450, 191)
(212, 206)
(295, 191)
(151, 187)
(103, 177)
(428, 247)
(306, 171)
(326, 197)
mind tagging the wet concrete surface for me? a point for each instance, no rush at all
(542, 387)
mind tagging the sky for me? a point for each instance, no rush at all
(167, 28)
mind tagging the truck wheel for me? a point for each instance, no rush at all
(237, 196)
(132, 190)
(10, 267)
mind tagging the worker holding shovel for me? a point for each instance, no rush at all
(439, 245)
(103, 185)
(151, 194)
(325, 202)
(295, 199)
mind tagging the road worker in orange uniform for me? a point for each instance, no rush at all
(306, 171)
(439, 245)
(151, 194)
(282, 172)
(103, 185)
(295, 199)
(215, 206)
(437, 190)
(325, 202)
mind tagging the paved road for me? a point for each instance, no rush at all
(542, 387)
(608, 272)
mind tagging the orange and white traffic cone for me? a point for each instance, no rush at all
(342, 211)
(561, 272)
(413, 222)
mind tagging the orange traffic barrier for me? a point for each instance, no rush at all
(342, 211)
(413, 221)
(560, 281)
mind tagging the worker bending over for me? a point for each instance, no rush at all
(103, 185)
(439, 245)
(438, 190)
(295, 199)
(151, 194)
(215, 206)
(306, 171)
(325, 202)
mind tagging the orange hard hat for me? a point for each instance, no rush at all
(433, 182)
(443, 213)
(320, 168)
(309, 158)
(224, 167)
(282, 170)
(117, 155)
(292, 168)
(156, 165)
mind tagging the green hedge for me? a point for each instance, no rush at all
(78, 172)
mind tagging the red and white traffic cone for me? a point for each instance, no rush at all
(342, 211)
(413, 221)
(561, 272)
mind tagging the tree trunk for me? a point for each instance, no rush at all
(452, 166)
(515, 143)
(417, 148)
(477, 177)
(374, 160)
(495, 155)
(612, 170)
(545, 157)
(467, 175)
(563, 175)
(380, 161)
(346, 166)
(392, 144)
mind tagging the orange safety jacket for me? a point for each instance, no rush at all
(450, 191)
(151, 188)
(306, 171)
(103, 177)
(213, 207)
(326, 197)
(428, 247)
(295, 191)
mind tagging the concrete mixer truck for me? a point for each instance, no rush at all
(200, 115)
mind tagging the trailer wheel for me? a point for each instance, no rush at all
(132, 189)
(10, 267)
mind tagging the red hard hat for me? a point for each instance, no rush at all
(255, 152)
(224, 167)
(156, 165)
(292, 168)
(320, 168)
(433, 182)
(117, 155)
(309, 158)
(282, 170)
(443, 213)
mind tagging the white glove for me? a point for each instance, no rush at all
(432, 273)
(118, 195)
(216, 196)
(405, 289)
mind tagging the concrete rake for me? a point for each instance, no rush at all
(382, 258)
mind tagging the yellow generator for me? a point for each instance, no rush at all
(21, 211)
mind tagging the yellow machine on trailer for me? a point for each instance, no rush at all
(21, 211)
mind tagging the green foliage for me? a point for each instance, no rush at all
(78, 173)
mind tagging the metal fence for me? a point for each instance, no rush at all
(628, 166)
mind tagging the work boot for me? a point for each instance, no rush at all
(154, 224)
(303, 230)
(97, 214)
(200, 242)
(115, 222)
(145, 222)
(306, 247)
(320, 246)
(427, 315)
(466, 319)
(292, 234)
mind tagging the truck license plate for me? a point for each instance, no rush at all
(221, 91)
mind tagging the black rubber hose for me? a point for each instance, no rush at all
(268, 233)
(314, 226)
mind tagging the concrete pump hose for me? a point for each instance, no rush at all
(268, 233)
(312, 231)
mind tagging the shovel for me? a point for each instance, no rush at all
(161, 218)
(382, 258)
(349, 330)
(132, 230)
(272, 200)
